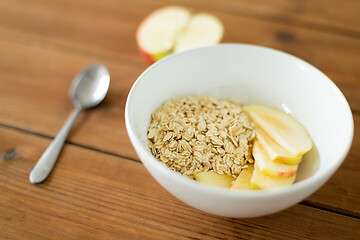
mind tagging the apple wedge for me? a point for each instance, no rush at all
(174, 29)
(214, 179)
(282, 127)
(274, 151)
(263, 181)
(242, 182)
(269, 167)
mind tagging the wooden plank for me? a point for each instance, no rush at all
(342, 17)
(26, 105)
(8, 232)
(95, 195)
(107, 30)
(28, 69)
(34, 96)
(104, 27)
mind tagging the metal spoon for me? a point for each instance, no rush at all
(88, 89)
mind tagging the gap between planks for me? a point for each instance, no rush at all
(68, 142)
(303, 203)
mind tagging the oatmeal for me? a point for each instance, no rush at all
(201, 134)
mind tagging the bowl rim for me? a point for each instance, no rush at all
(137, 144)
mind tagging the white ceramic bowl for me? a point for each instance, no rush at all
(248, 74)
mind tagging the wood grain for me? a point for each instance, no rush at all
(34, 93)
(95, 195)
(9, 232)
(107, 29)
(96, 191)
(29, 69)
(334, 16)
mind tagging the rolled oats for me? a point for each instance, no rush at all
(196, 134)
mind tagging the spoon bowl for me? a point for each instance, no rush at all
(90, 86)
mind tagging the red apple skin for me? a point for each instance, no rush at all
(286, 174)
(280, 174)
(146, 55)
(151, 58)
(143, 53)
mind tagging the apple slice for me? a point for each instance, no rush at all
(214, 179)
(274, 151)
(282, 127)
(157, 33)
(263, 181)
(269, 167)
(174, 29)
(242, 182)
(202, 30)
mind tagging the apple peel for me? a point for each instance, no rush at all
(269, 167)
(261, 180)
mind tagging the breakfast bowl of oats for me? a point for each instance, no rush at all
(238, 130)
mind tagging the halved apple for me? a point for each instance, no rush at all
(263, 181)
(282, 127)
(274, 151)
(214, 179)
(269, 167)
(173, 29)
(242, 182)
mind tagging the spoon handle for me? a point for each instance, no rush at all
(47, 161)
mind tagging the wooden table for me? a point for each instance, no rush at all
(99, 189)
